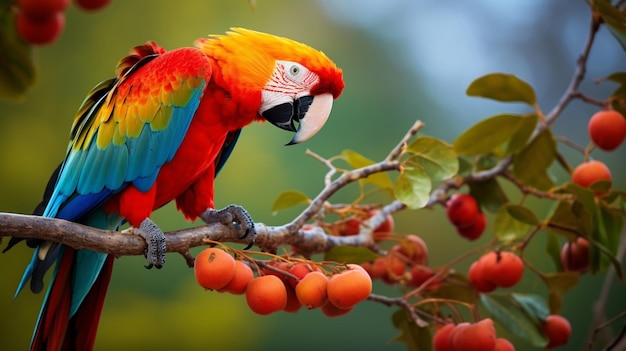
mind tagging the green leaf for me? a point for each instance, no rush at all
(602, 186)
(525, 128)
(512, 315)
(531, 164)
(507, 228)
(612, 223)
(350, 254)
(522, 214)
(489, 194)
(502, 87)
(356, 160)
(618, 101)
(534, 305)
(413, 187)
(553, 248)
(288, 199)
(415, 338)
(571, 219)
(436, 157)
(605, 241)
(17, 69)
(618, 77)
(613, 18)
(465, 166)
(558, 284)
(583, 195)
(484, 162)
(504, 134)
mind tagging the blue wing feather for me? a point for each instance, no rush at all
(90, 174)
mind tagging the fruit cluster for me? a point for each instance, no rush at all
(352, 226)
(283, 285)
(464, 212)
(479, 336)
(405, 263)
(607, 131)
(496, 269)
(41, 22)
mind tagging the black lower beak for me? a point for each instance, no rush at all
(286, 115)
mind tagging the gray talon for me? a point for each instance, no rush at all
(154, 237)
(233, 215)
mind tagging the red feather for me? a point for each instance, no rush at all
(56, 330)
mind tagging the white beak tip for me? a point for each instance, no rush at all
(314, 119)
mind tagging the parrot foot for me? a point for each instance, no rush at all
(154, 237)
(233, 215)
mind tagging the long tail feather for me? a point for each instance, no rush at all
(56, 328)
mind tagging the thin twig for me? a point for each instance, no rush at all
(397, 151)
(579, 74)
(588, 99)
(332, 170)
(536, 192)
(398, 301)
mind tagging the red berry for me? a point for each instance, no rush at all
(441, 338)
(590, 172)
(351, 227)
(378, 268)
(504, 268)
(558, 330)
(214, 268)
(312, 290)
(474, 230)
(479, 336)
(395, 265)
(575, 256)
(331, 311)
(384, 230)
(477, 278)
(299, 270)
(420, 274)
(503, 345)
(462, 209)
(266, 294)
(39, 30)
(42, 8)
(91, 5)
(349, 287)
(243, 276)
(293, 304)
(607, 129)
(414, 249)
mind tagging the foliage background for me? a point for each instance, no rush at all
(403, 60)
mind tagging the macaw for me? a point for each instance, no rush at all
(159, 131)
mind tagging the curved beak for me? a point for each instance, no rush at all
(310, 112)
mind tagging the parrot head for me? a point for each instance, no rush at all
(293, 84)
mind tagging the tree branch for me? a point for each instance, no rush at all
(268, 238)
(581, 68)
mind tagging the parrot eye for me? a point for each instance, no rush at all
(294, 70)
(289, 72)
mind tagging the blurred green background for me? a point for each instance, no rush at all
(402, 60)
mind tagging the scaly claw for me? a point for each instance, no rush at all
(154, 237)
(233, 215)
